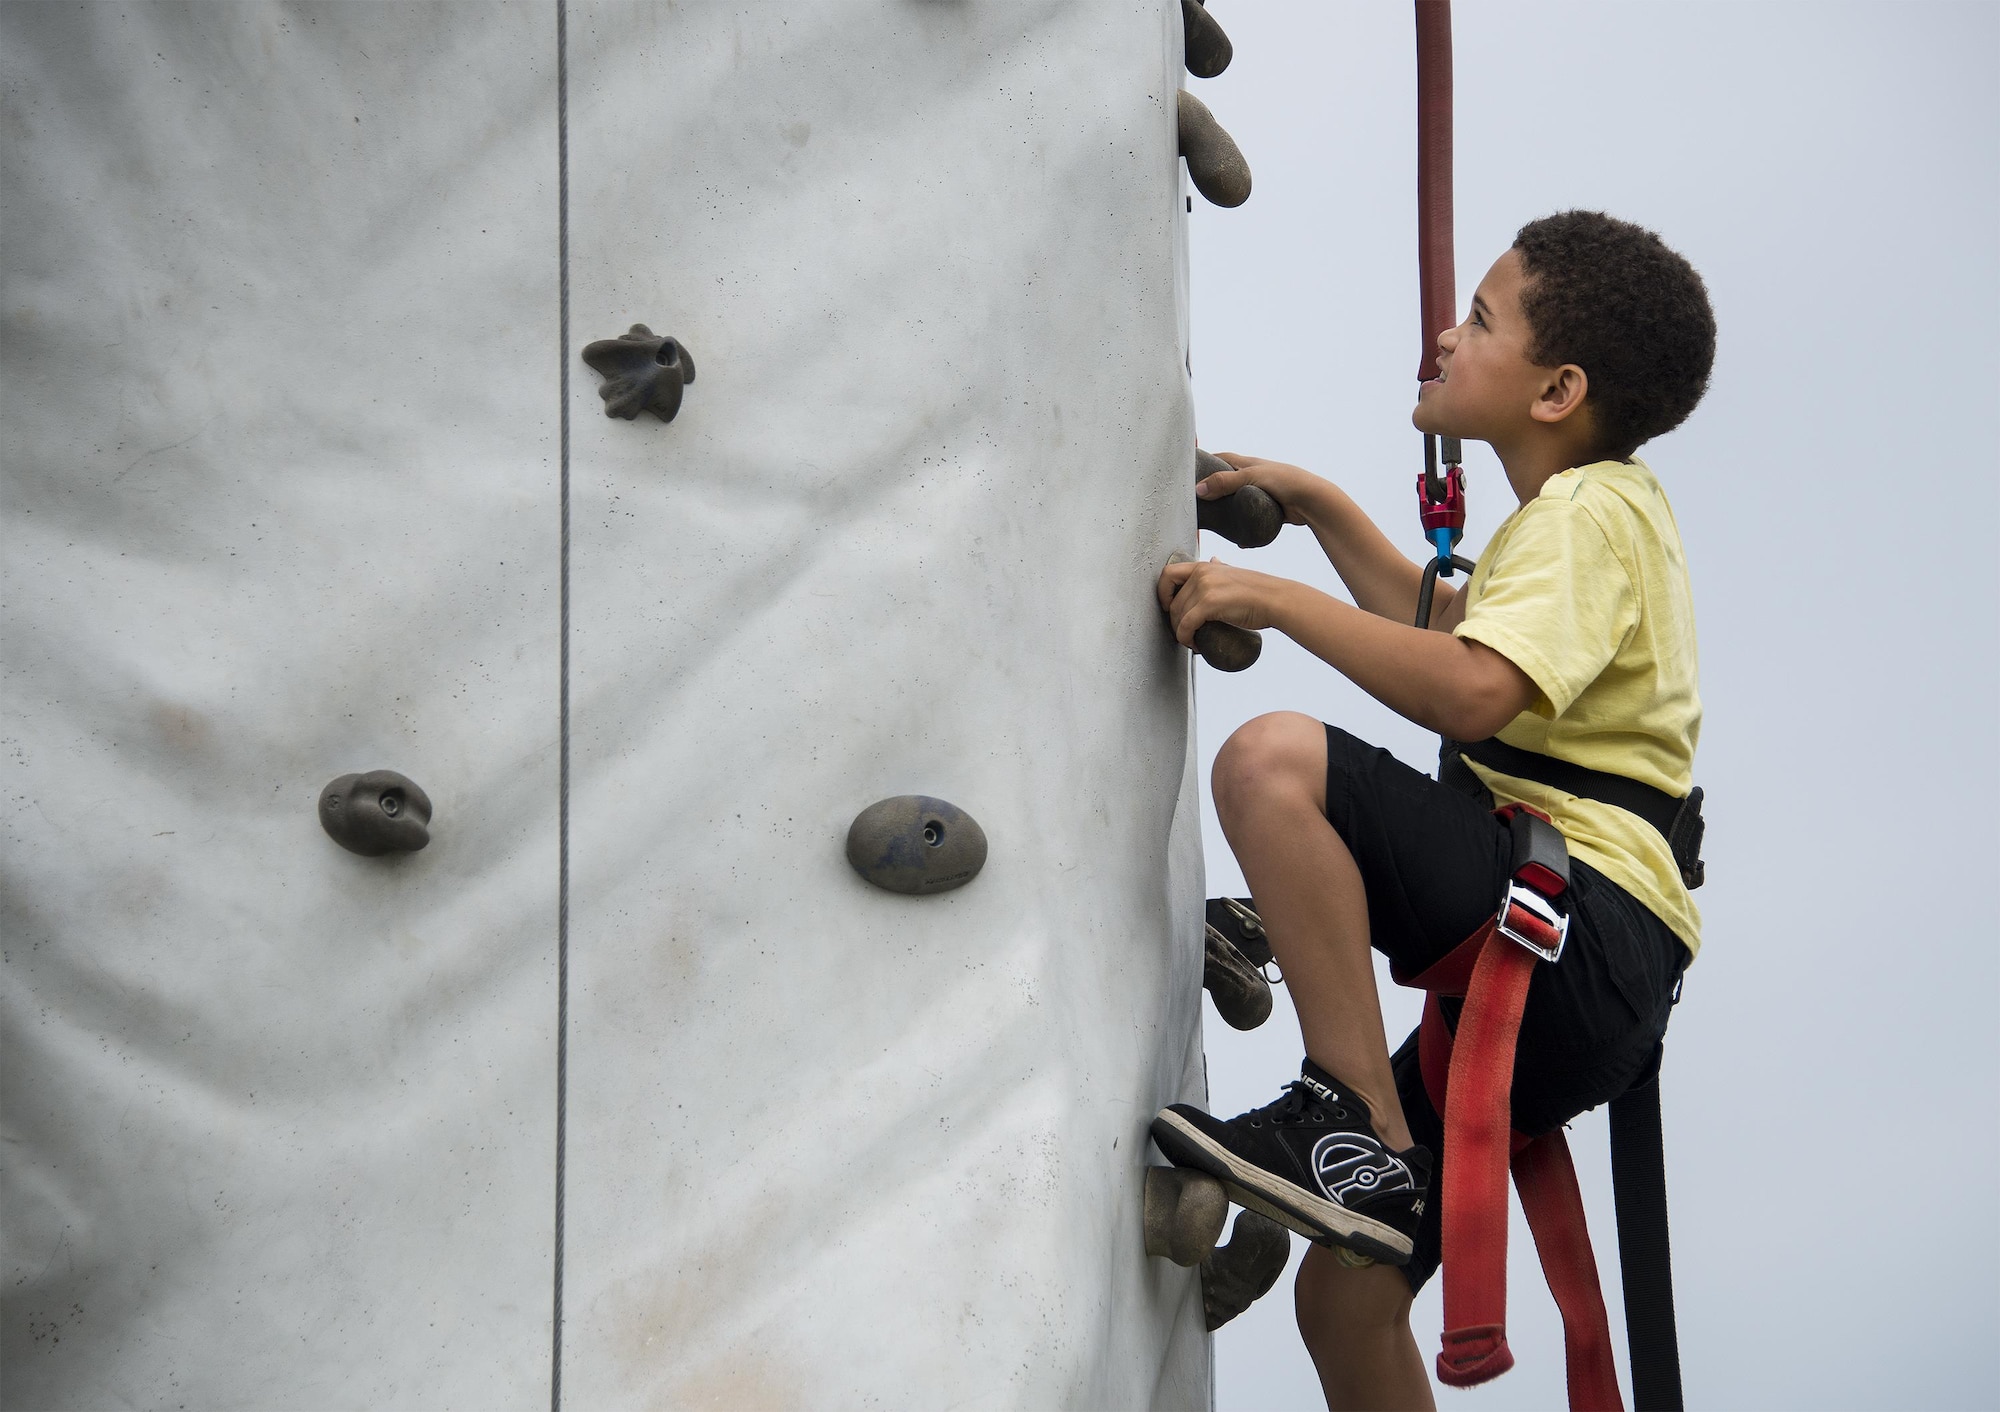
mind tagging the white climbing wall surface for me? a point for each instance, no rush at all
(282, 501)
(280, 467)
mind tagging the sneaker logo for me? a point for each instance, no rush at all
(1326, 1095)
(1349, 1165)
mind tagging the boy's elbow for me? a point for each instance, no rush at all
(1467, 721)
(1492, 692)
(1474, 721)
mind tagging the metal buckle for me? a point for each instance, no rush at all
(1250, 922)
(1518, 895)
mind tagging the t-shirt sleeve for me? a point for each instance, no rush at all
(1557, 603)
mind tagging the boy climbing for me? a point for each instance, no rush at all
(1573, 645)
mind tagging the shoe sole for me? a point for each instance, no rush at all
(1321, 1221)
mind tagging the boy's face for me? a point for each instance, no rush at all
(1486, 382)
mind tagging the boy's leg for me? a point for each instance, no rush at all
(1270, 795)
(1312, 813)
(1356, 1326)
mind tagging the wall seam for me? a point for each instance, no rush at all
(562, 768)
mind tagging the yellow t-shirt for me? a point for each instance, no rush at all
(1585, 588)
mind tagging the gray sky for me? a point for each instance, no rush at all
(1831, 169)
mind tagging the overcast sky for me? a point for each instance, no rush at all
(1831, 1075)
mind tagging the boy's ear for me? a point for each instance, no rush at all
(1562, 392)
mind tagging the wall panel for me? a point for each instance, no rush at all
(280, 348)
(831, 1146)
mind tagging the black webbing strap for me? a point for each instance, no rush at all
(1655, 806)
(1639, 1184)
(1677, 820)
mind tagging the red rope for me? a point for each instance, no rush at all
(1434, 237)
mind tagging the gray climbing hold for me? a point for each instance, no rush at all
(1215, 164)
(1248, 518)
(1207, 48)
(1241, 994)
(1237, 919)
(1228, 648)
(1185, 1212)
(643, 372)
(1237, 1275)
(916, 844)
(375, 813)
(1224, 646)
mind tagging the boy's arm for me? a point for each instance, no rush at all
(1451, 685)
(1381, 578)
(1451, 615)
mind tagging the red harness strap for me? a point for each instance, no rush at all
(1468, 1082)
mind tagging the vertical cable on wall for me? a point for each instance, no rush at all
(562, 767)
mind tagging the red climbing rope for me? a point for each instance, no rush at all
(1434, 233)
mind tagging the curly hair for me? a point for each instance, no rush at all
(1610, 297)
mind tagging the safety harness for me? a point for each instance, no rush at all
(1468, 1074)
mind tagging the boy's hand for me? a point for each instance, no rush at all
(1194, 592)
(1288, 485)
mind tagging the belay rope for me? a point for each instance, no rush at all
(1440, 498)
(1468, 1075)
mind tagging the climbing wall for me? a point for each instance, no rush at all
(283, 300)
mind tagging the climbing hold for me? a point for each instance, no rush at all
(643, 372)
(1214, 162)
(1185, 1212)
(1237, 919)
(1207, 48)
(1237, 1275)
(375, 813)
(1224, 646)
(1241, 994)
(916, 844)
(1248, 518)
(1228, 648)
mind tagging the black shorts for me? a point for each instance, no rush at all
(1434, 861)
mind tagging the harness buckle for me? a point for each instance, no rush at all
(1529, 918)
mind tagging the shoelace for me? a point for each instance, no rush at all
(1294, 1102)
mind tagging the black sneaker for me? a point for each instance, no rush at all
(1241, 994)
(1311, 1160)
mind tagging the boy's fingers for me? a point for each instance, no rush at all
(1189, 609)
(1179, 614)
(1222, 483)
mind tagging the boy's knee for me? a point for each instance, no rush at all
(1282, 751)
(1337, 1305)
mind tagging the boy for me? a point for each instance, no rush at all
(1574, 639)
